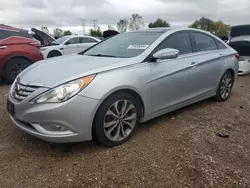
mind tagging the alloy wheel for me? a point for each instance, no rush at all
(226, 86)
(120, 120)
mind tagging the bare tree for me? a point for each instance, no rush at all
(135, 22)
(122, 25)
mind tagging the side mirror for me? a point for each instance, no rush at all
(167, 53)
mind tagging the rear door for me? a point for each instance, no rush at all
(210, 55)
(72, 46)
(86, 42)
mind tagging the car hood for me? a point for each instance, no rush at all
(58, 70)
(46, 39)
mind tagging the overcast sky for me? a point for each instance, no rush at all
(67, 13)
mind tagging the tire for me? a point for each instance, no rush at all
(54, 54)
(108, 136)
(14, 67)
(226, 85)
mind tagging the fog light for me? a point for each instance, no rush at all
(52, 127)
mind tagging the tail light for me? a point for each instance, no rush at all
(36, 44)
(237, 56)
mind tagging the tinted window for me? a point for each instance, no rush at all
(73, 41)
(125, 45)
(180, 41)
(203, 42)
(87, 40)
(6, 33)
(239, 31)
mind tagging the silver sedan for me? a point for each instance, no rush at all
(106, 90)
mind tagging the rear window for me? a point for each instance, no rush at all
(239, 31)
(8, 33)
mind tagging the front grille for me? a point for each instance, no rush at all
(21, 91)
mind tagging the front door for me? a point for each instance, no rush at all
(86, 42)
(71, 46)
(173, 81)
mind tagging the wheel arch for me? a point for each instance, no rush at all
(13, 57)
(54, 50)
(232, 72)
(129, 91)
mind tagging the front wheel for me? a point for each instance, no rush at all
(54, 54)
(116, 120)
(14, 67)
(225, 87)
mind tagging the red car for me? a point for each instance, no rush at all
(18, 50)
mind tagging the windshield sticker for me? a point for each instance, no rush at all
(138, 47)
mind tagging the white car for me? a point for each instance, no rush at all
(239, 39)
(64, 45)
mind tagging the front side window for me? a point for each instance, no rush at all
(179, 41)
(62, 39)
(203, 42)
(125, 45)
(73, 41)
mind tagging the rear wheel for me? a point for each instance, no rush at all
(225, 87)
(116, 120)
(14, 67)
(54, 54)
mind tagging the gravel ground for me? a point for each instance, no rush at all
(180, 149)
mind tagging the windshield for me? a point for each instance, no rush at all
(62, 39)
(125, 45)
(240, 31)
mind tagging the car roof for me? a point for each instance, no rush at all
(244, 25)
(156, 30)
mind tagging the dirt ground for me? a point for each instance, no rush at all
(180, 149)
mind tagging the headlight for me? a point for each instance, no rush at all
(64, 92)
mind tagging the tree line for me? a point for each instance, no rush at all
(135, 22)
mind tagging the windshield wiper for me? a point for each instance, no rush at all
(101, 55)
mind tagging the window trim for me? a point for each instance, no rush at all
(150, 56)
(191, 32)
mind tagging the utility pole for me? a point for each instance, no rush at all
(83, 25)
(94, 21)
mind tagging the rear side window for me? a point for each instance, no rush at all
(203, 42)
(220, 45)
(179, 41)
(239, 31)
(7, 33)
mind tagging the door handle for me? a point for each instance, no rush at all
(193, 64)
(221, 56)
(3, 47)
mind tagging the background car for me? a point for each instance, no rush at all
(18, 50)
(105, 91)
(239, 39)
(63, 45)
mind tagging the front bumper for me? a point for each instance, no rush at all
(76, 115)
